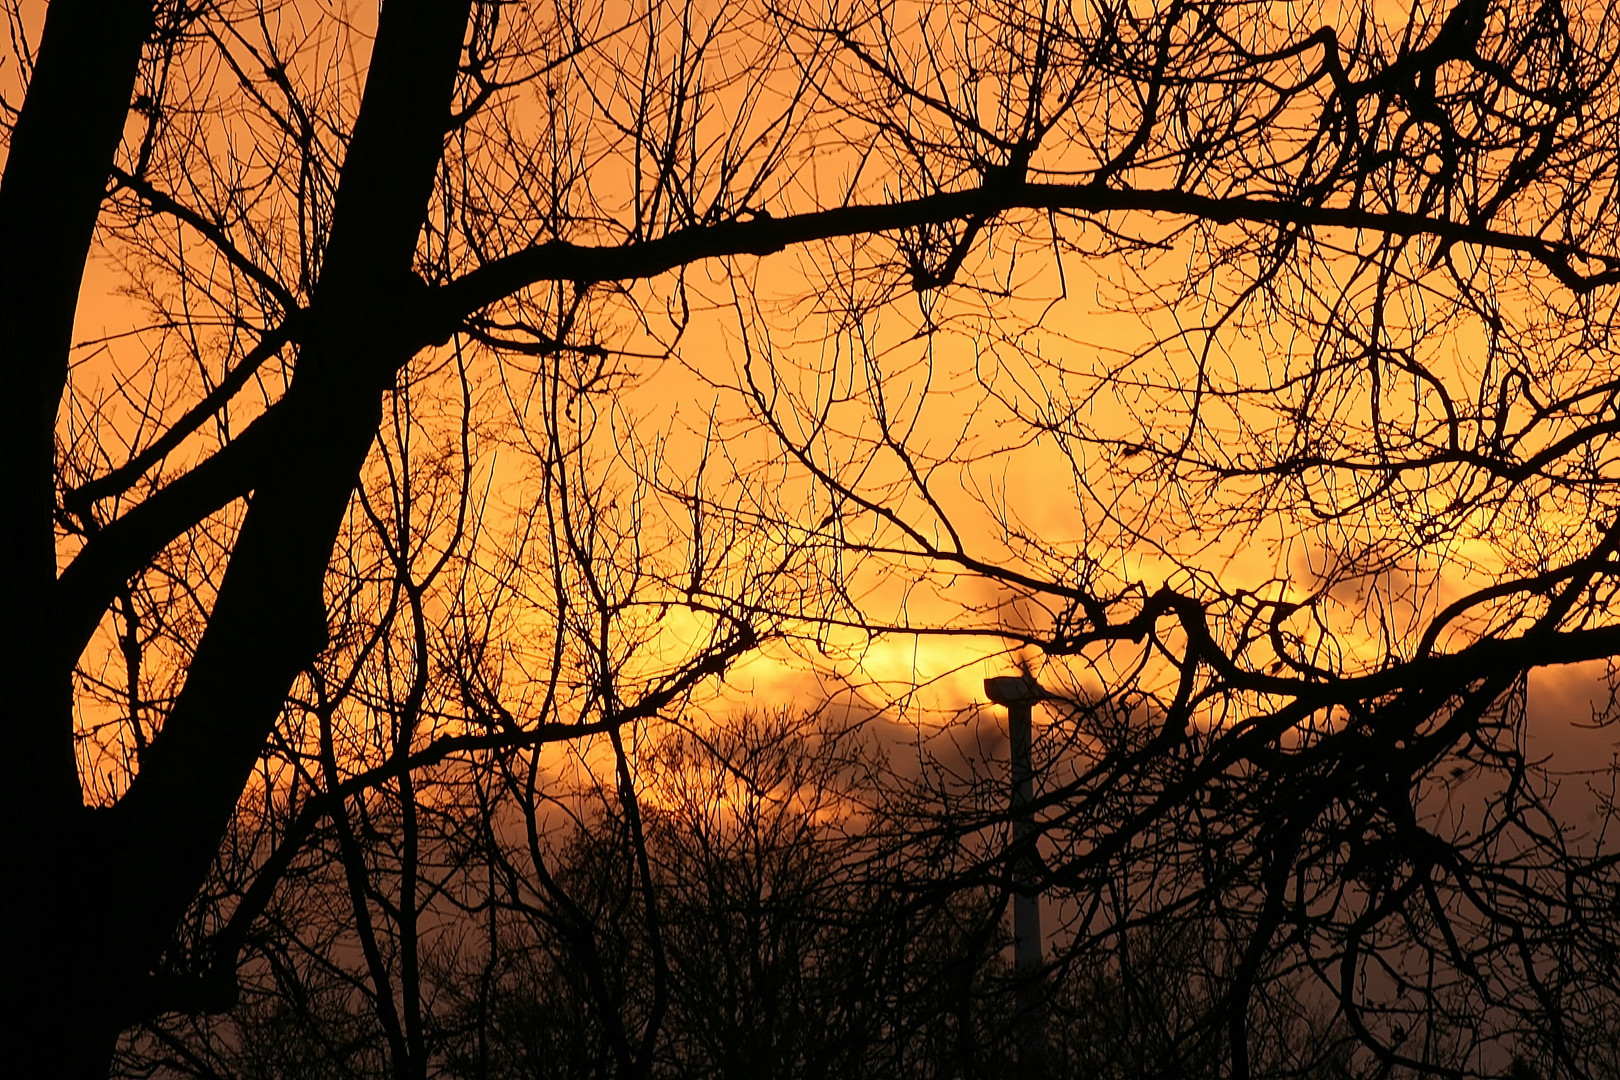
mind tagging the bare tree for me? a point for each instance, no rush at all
(1290, 556)
(319, 221)
(787, 923)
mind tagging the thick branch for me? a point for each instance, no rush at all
(119, 480)
(559, 260)
(121, 549)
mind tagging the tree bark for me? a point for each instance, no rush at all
(94, 897)
(269, 619)
(59, 158)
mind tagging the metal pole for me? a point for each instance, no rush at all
(1018, 693)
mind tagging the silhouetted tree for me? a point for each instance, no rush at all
(323, 221)
(784, 935)
(1288, 558)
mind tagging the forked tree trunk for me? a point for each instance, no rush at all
(92, 898)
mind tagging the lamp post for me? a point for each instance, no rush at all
(1018, 694)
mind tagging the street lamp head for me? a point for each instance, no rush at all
(1014, 690)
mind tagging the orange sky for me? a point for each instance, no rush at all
(1064, 315)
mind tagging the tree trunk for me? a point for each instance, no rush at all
(60, 156)
(94, 896)
(269, 620)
